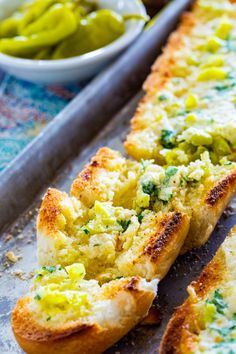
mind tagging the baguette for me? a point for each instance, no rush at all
(189, 105)
(69, 315)
(127, 183)
(205, 323)
(113, 242)
(126, 221)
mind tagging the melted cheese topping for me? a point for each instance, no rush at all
(218, 334)
(195, 111)
(216, 314)
(100, 243)
(61, 295)
(106, 238)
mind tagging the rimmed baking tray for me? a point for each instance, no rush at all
(74, 132)
(83, 118)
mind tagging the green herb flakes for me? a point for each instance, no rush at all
(37, 297)
(149, 187)
(124, 224)
(168, 139)
(49, 269)
(218, 301)
(170, 172)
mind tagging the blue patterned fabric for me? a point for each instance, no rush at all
(25, 109)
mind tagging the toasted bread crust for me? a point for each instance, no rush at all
(161, 69)
(207, 215)
(179, 337)
(160, 240)
(159, 247)
(80, 337)
(222, 190)
(50, 210)
(159, 76)
(86, 186)
(164, 245)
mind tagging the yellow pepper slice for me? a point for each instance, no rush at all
(52, 27)
(96, 30)
(214, 73)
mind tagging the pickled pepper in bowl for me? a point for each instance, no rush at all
(50, 29)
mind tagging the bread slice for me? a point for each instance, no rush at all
(205, 323)
(145, 185)
(63, 313)
(189, 105)
(110, 241)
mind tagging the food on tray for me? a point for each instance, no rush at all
(59, 29)
(146, 186)
(126, 221)
(206, 322)
(189, 106)
(111, 241)
(64, 313)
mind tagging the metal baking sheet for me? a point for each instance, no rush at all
(83, 118)
(20, 236)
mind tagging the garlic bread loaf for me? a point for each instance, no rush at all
(63, 313)
(189, 105)
(110, 241)
(147, 186)
(206, 322)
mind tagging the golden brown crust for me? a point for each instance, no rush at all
(162, 68)
(221, 191)
(81, 337)
(172, 224)
(164, 243)
(50, 210)
(160, 75)
(180, 334)
(86, 186)
(206, 216)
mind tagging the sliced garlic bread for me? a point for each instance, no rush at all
(189, 106)
(63, 313)
(206, 322)
(147, 186)
(110, 241)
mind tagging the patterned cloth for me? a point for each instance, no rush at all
(25, 109)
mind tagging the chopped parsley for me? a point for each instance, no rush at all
(221, 88)
(218, 301)
(50, 269)
(183, 112)
(170, 172)
(140, 216)
(223, 331)
(149, 187)
(168, 139)
(86, 231)
(124, 224)
(97, 244)
(48, 318)
(162, 98)
(157, 193)
(37, 297)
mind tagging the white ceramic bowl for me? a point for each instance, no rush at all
(86, 65)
